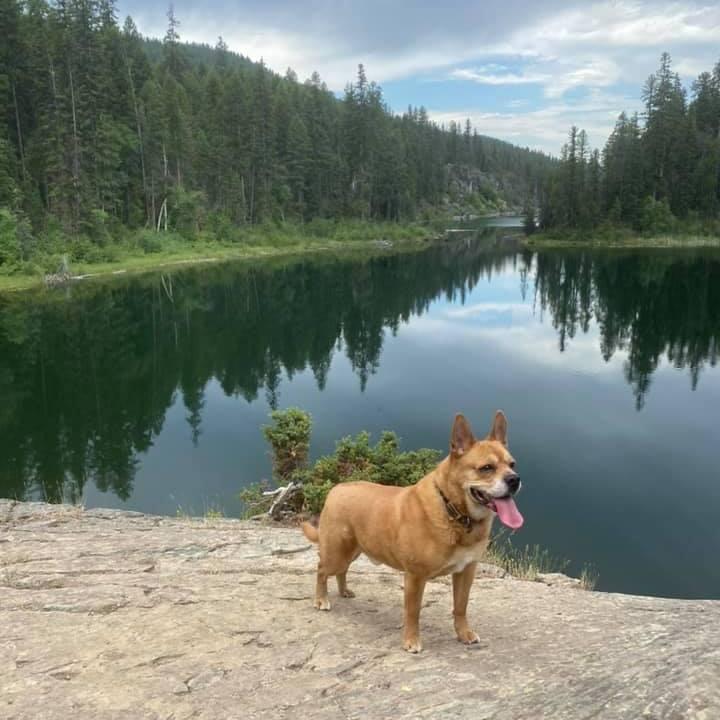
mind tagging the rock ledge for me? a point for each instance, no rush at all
(109, 614)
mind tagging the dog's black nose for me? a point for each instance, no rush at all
(513, 482)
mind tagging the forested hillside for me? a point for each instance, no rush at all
(102, 131)
(658, 173)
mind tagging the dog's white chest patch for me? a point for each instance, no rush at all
(463, 556)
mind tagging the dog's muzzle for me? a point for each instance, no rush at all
(512, 480)
(502, 505)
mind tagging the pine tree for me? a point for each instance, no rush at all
(664, 139)
(262, 150)
(174, 61)
(705, 126)
(298, 162)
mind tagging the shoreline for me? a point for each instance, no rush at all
(349, 237)
(661, 242)
(216, 252)
(142, 264)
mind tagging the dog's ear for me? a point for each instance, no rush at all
(498, 431)
(461, 438)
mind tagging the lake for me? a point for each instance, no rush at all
(149, 393)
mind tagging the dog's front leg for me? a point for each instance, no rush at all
(414, 587)
(462, 582)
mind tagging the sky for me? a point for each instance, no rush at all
(521, 70)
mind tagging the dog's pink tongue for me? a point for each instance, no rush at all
(508, 513)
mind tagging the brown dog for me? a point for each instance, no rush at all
(439, 526)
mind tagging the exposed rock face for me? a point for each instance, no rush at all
(120, 615)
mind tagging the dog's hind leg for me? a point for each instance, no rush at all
(333, 561)
(321, 591)
(351, 553)
(343, 589)
(337, 551)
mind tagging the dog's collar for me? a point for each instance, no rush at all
(454, 514)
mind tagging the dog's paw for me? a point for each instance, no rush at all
(322, 604)
(412, 645)
(347, 593)
(468, 637)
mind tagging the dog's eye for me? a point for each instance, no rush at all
(487, 468)
(512, 465)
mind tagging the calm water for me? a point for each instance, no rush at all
(150, 394)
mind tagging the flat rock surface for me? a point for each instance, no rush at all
(107, 614)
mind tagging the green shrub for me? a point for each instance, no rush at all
(289, 437)
(315, 495)
(187, 212)
(150, 242)
(253, 499)
(222, 228)
(321, 228)
(656, 218)
(82, 249)
(97, 227)
(356, 459)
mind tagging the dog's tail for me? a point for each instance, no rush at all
(310, 532)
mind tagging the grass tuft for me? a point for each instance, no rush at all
(589, 578)
(211, 512)
(527, 562)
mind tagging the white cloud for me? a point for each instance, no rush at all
(596, 73)
(627, 24)
(546, 128)
(690, 68)
(489, 75)
(603, 43)
(557, 77)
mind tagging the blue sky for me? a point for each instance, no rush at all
(521, 70)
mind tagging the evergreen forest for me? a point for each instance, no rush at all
(659, 172)
(106, 135)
